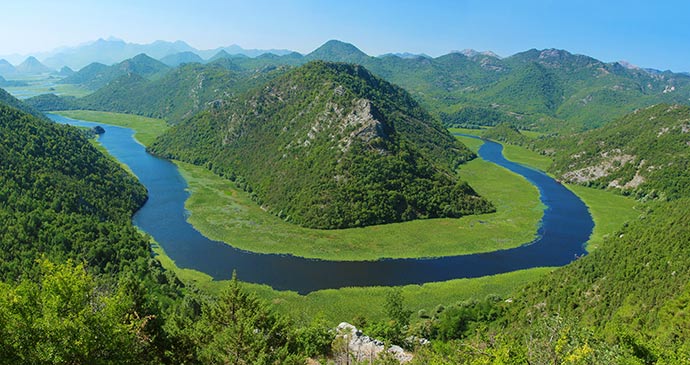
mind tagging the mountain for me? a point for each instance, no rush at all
(66, 71)
(175, 96)
(176, 59)
(329, 145)
(31, 66)
(406, 55)
(472, 53)
(337, 51)
(6, 69)
(236, 50)
(646, 153)
(112, 51)
(96, 75)
(89, 74)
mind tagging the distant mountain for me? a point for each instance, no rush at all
(66, 71)
(329, 145)
(337, 51)
(31, 66)
(237, 50)
(6, 69)
(87, 75)
(96, 75)
(174, 96)
(224, 54)
(174, 60)
(646, 152)
(112, 51)
(405, 55)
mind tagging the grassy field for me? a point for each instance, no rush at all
(38, 85)
(609, 211)
(222, 212)
(337, 305)
(146, 129)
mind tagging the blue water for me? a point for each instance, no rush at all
(565, 227)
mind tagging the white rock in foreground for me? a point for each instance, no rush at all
(362, 347)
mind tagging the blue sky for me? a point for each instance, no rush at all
(646, 33)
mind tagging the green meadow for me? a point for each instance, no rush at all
(146, 129)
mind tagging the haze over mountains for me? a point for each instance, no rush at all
(113, 50)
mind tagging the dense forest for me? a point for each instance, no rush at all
(79, 283)
(331, 146)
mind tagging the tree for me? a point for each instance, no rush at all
(237, 328)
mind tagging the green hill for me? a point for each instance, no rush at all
(645, 152)
(329, 146)
(96, 75)
(63, 199)
(176, 59)
(337, 51)
(9, 100)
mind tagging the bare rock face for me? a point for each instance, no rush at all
(364, 348)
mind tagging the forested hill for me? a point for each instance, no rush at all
(646, 152)
(175, 96)
(330, 145)
(9, 100)
(97, 75)
(63, 199)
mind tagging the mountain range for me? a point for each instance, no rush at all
(112, 50)
(548, 90)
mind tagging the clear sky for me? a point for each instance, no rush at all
(646, 33)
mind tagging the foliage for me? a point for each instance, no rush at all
(474, 116)
(9, 100)
(50, 102)
(62, 198)
(64, 318)
(645, 154)
(237, 328)
(331, 146)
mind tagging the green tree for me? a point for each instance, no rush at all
(237, 328)
(64, 318)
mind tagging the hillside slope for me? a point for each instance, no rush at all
(96, 75)
(63, 199)
(330, 146)
(646, 152)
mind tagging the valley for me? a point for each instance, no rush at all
(520, 209)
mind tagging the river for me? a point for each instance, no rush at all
(565, 227)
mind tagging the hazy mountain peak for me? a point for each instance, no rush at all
(32, 66)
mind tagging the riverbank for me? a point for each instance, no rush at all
(337, 305)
